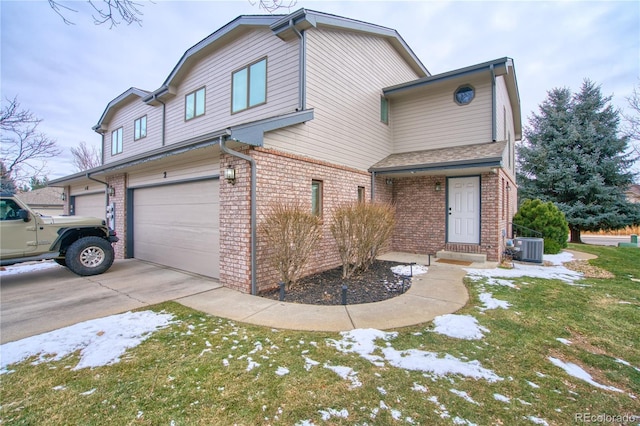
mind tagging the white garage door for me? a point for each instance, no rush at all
(92, 205)
(178, 226)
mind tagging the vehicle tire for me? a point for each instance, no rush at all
(61, 262)
(89, 256)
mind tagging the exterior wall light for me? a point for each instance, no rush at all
(111, 191)
(438, 186)
(389, 181)
(230, 175)
(63, 196)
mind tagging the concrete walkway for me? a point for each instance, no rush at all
(439, 291)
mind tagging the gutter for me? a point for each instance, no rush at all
(164, 117)
(494, 136)
(252, 163)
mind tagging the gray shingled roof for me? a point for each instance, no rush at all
(48, 196)
(458, 156)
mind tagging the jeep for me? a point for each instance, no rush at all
(82, 244)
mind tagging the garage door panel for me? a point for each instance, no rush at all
(178, 226)
(92, 205)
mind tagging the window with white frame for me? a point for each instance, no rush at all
(140, 128)
(116, 141)
(249, 86)
(194, 104)
(316, 198)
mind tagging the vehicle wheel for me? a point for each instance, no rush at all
(61, 262)
(89, 256)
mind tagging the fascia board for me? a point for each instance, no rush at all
(123, 97)
(464, 164)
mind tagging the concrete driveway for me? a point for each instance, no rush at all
(39, 301)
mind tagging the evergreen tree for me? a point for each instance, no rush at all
(37, 183)
(573, 157)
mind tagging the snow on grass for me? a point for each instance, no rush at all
(309, 363)
(25, 268)
(555, 271)
(490, 303)
(409, 270)
(346, 373)
(623, 362)
(459, 326)
(330, 412)
(419, 388)
(282, 371)
(362, 342)
(464, 396)
(501, 398)
(577, 372)
(460, 421)
(537, 420)
(101, 341)
(563, 341)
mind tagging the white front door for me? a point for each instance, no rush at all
(464, 210)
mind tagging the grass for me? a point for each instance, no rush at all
(172, 378)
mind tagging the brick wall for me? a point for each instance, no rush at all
(118, 183)
(420, 214)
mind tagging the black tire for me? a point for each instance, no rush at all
(89, 256)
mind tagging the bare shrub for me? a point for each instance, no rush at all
(361, 230)
(292, 233)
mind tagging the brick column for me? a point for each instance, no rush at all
(119, 185)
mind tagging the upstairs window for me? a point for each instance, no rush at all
(316, 198)
(140, 128)
(249, 86)
(116, 141)
(384, 110)
(194, 104)
(464, 94)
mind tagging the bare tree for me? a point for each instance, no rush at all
(112, 11)
(86, 157)
(271, 6)
(24, 150)
(632, 127)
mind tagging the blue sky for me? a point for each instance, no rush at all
(66, 74)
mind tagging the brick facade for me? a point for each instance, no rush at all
(119, 185)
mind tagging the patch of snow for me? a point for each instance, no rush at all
(362, 342)
(577, 372)
(501, 398)
(464, 396)
(382, 390)
(563, 340)
(556, 271)
(59, 387)
(419, 388)
(89, 392)
(346, 373)
(490, 303)
(251, 364)
(460, 421)
(537, 420)
(308, 363)
(24, 268)
(282, 371)
(459, 326)
(330, 412)
(533, 385)
(523, 402)
(305, 423)
(406, 270)
(444, 414)
(101, 341)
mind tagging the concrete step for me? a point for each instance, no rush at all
(468, 257)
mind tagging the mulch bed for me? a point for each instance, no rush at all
(374, 285)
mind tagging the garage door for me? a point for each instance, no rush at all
(178, 226)
(90, 205)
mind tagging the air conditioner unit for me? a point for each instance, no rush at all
(531, 249)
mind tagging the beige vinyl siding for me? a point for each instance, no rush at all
(198, 163)
(346, 72)
(505, 128)
(430, 118)
(214, 73)
(124, 117)
(83, 189)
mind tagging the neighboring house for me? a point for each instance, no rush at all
(310, 107)
(46, 201)
(633, 193)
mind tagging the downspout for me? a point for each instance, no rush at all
(252, 163)
(106, 189)
(302, 68)
(494, 136)
(164, 117)
(373, 186)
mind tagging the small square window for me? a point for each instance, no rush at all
(194, 104)
(140, 128)
(316, 198)
(116, 141)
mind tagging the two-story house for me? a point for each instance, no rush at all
(310, 107)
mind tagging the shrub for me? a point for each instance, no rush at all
(361, 230)
(292, 233)
(547, 219)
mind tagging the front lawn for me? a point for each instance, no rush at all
(523, 351)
